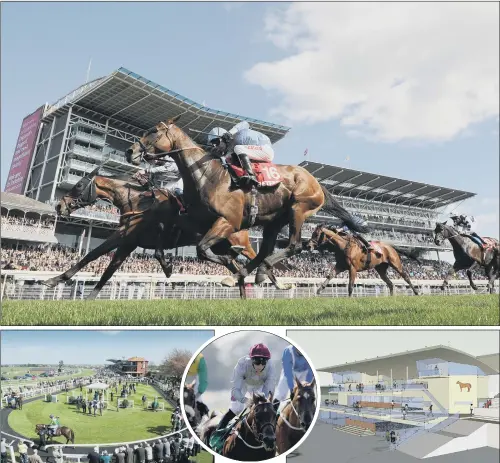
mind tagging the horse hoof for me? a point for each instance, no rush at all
(260, 278)
(51, 283)
(230, 282)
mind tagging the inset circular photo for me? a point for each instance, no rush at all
(250, 396)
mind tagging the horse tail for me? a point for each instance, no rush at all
(333, 207)
(406, 253)
(72, 435)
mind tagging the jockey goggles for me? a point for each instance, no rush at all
(259, 360)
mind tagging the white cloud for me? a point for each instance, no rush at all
(389, 71)
(110, 333)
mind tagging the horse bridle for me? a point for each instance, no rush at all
(254, 429)
(300, 428)
(85, 198)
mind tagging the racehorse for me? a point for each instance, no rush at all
(254, 437)
(297, 416)
(469, 255)
(218, 209)
(145, 222)
(464, 385)
(349, 255)
(61, 431)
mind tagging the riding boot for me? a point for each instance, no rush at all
(226, 419)
(365, 242)
(180, 196)
(250, 178)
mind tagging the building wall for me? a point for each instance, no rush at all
(460, 400)
(440, 388)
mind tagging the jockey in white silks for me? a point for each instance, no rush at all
(246, 144)
(294, 365)
(161, 176)
(253, 373)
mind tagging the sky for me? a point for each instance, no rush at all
(329, 348)
(402, 89)
(94, 347)
(223, 354)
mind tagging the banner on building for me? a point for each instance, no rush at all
(23, 153)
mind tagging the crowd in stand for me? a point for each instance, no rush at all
(305, 265)
(27, 222)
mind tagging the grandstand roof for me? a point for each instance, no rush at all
(364, 185)
(136, 359)
(400, 361)
(23, 203)
(137, 104)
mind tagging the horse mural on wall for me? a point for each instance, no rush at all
(464, 385)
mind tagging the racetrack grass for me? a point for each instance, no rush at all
(123, 426)
(399, 310)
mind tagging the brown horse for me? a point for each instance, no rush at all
(349, 255)
(254, 437)
(469, 255)
(218, 209)
(61, 431)
(145, 222)
(464, 385)
(296, 417)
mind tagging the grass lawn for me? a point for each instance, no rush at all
(399, 310)
(123, 426)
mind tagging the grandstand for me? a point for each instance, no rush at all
(96, 122)
(438, 399)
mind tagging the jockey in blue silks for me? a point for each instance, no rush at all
(294, 366)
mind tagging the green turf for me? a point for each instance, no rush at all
(123, 426)
(399, 310)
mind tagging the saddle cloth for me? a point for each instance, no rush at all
(218, 437)
(376, 246)
(266, 172)
(491, 243)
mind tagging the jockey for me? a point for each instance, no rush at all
(469, 231)
(198, 372)
(246, 144)
(161, 176)
(54, 424)
(253, 373)
(344, 228)
(294, 366)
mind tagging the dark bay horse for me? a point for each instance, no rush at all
(349, 255)
(297, 416)
(218, 209)
(469, 255)
(61, 431)
(144, 222)
(254, 437)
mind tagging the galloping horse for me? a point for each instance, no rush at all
(218, 209)
(61, 431)
(469, 255)
(296, 417)
(464, 385)
(349, 256)
(254, 437)
(144, 222)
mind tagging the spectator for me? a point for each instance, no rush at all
(23, 451)
(35, 458)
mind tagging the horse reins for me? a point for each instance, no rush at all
(255, 433)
